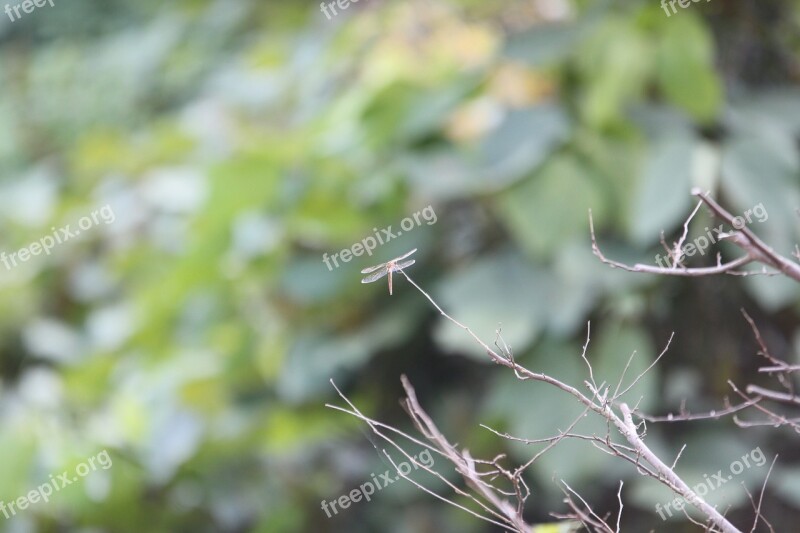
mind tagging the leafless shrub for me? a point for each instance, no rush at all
(778, 407)
(503, 504)
(498, 493)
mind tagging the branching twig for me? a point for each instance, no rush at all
(492, 499)
(503, 506)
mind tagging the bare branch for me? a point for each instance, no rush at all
(686, 416)
(646, 370)
(748, 241)
(494, 500)
(619, 498)
(761, 498)
(623, 424)
(675, 270)
(592, 518)
(773, 395)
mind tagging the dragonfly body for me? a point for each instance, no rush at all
(378, 271)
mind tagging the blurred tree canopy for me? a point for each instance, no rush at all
(237, 142)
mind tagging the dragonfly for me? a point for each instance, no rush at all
(378, 271)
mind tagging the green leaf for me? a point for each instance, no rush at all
(522, 142)
(553, 206)
(615, 64)
(685, 67)
(544, 44)
(401, 111)
(618, 162)
(779, 107)
(662, 200)
(500, 291)
(443, 174)
(19, 447)
(758, 176)
(580, 280)
(315, 357)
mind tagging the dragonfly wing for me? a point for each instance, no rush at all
(375, 276)
(404, 264)
(404, 255)
(373, 268)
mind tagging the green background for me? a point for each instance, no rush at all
(239, 141)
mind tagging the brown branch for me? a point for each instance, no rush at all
(757, 334)
(781, 397)
(375, 426)
(675, 270)
(755, 250)
(465, 465)
(685, 416)
(494, 500)
(774, 419)
(623, 424)
(757, 508)
(748, 241)
(780, 368)
(587, 517)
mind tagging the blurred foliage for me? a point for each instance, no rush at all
(239, 141)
